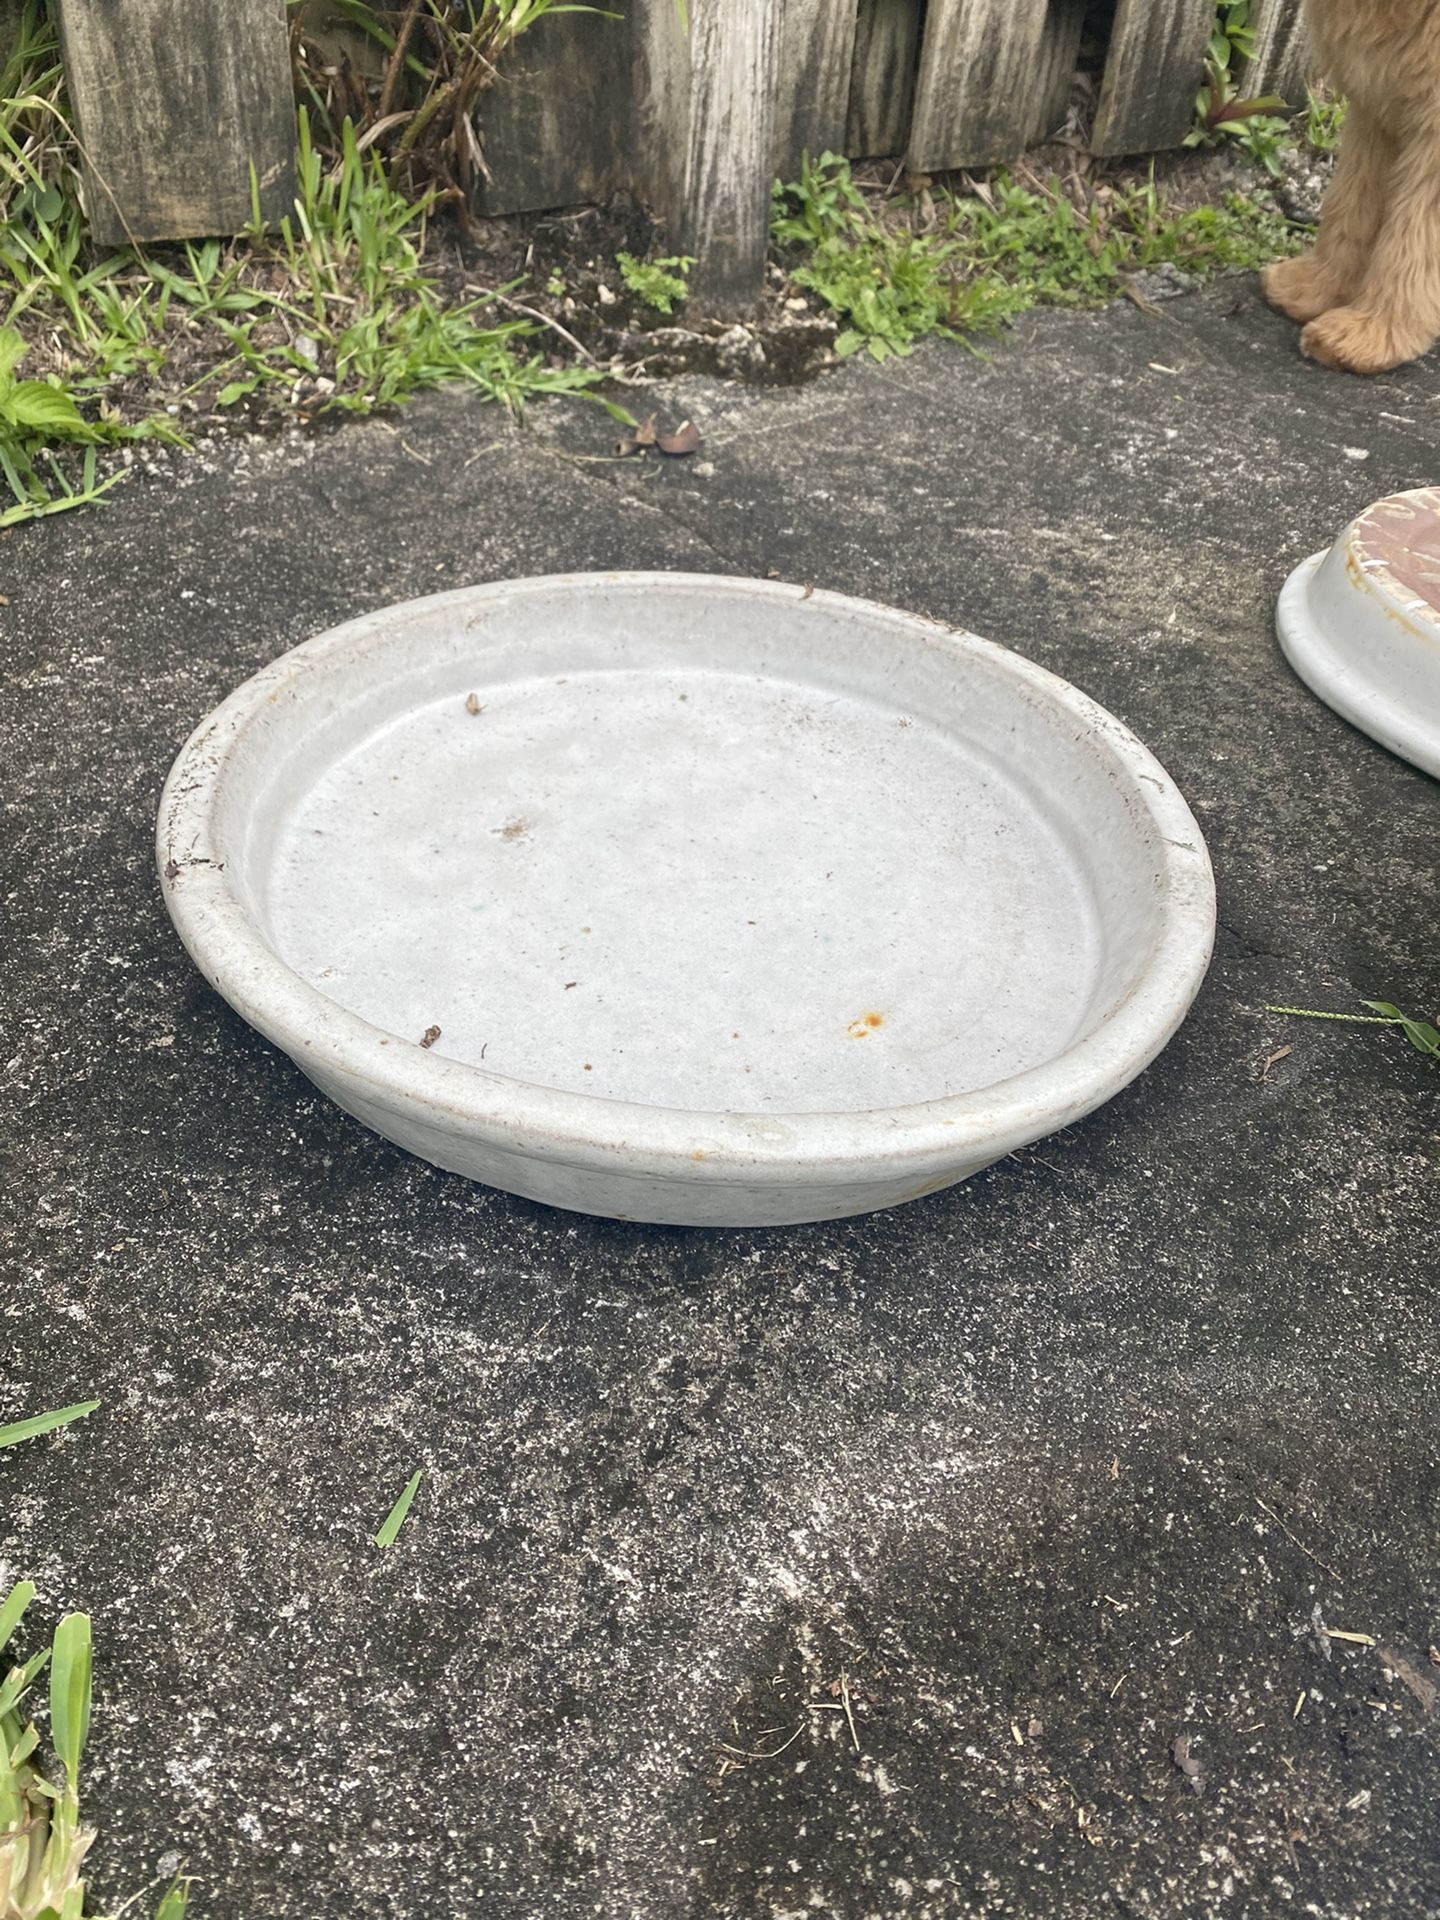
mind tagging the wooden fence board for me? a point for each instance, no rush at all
(174, 100)
(1059, 57)
(660, 54)
(1155, 69)
(734, 67)
(555, 124)
(1281, 63)
(976, 91)
(817, 55)
(704, 136)
(882, 83)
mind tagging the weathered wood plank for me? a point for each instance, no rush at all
(817, 54)
(660, 54)
(1155, 69)
(174, 101)
(882, 80)
(1282, 62)
(1059, 57)
(705, 134)
(976, 92)
(734, 69)
(555, 125)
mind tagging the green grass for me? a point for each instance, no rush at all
(394, 1520)
(888, 285)
(48, 446)
(41, 1423)
(361, 323)
(337, 312)
(42, 1842)
(1324, 120)
(983, 260)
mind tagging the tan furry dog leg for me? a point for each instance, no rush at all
(1334, 271)
(1395, 313)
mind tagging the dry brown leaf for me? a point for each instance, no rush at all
(684, 440)
(644, 436)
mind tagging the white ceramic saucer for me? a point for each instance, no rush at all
(705, 901)
(1360, 624)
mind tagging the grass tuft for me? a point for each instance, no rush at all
(43, 1845)
(437, 59)
(1324, 119)
(957, 267)
(338, 312)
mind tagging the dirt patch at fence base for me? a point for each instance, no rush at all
(559, 272)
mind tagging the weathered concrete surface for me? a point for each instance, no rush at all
(1005, 1459)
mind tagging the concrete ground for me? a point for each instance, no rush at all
(1041, 1476)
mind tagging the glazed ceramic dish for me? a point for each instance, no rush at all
(703, 901)
(1360, 624)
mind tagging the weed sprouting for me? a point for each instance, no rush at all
(439, 59)
(1422, 1034)
(1324, 119)
(661, 284)
(1257, 124)
(42, 1843)
(987, 257)
(889, 285)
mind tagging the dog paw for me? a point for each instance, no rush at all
(1353, 341)
(1300, 288)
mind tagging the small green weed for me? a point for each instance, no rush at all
(1324, 119)
(661, 284)
(1257, 124)
(993, 255)
(42, 1843)
(37, 417)
(1053, 255)
(1422, 1035)
(892, 287)
(1236, 234)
